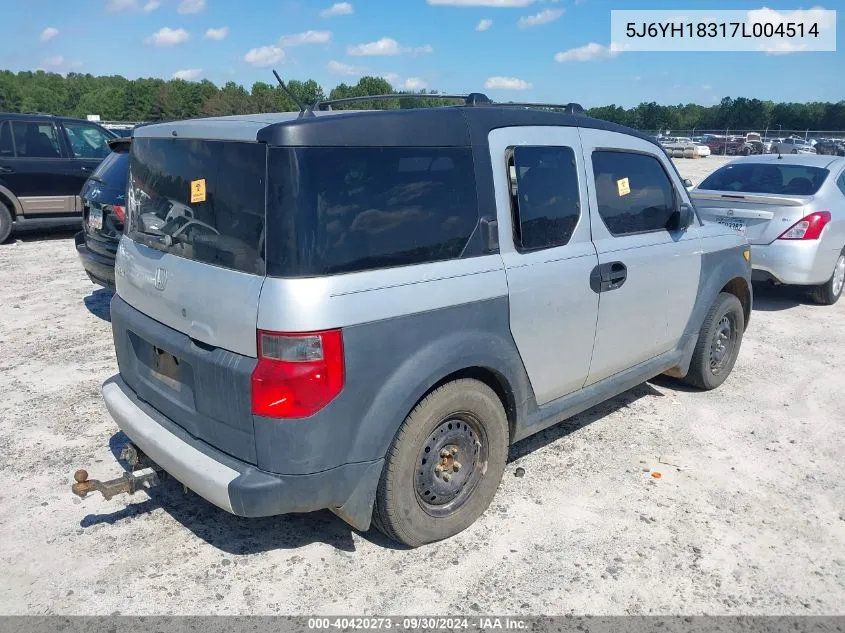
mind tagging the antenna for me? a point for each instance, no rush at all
(303, 111)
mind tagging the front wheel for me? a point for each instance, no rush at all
(444, 465)
(828, 293)
(718, 343)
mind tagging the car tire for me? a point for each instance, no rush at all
(829, 292)
(5, 222)
(718, 343)
(794, 151)
(444, 466)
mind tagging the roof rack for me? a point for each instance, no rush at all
(474, 98)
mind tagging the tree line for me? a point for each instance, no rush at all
(116, 98)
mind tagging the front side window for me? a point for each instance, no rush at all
(36, 140)
(87, 141)
(544, 196)
(633, 192)
(338, 210)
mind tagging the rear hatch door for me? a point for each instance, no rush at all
(189, 274)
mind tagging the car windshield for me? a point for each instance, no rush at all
(770, 178)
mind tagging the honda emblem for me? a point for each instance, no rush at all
(160, 278)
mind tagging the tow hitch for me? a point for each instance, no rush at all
(144, 474)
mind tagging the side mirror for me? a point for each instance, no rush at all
(681, 219)
(687, 183)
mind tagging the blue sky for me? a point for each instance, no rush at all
(438, 44)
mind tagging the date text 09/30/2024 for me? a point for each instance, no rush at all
(418, 623)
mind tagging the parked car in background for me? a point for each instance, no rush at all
(792, 210)
(831, 147)
(103, 214)
(768, 141)
(44, 162)
(725, 145)
(350, 315)
(703, 151)
(792, 146)
(753, 144)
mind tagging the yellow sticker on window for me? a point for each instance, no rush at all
(623, 186)
(198, 190)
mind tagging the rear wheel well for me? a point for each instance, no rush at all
(8, 203)
(492, 379)
(739, 288)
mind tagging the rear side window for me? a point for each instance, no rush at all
(36, 140)
(544, 196)
(633, 192)
(773, 178)
(841, 183)
(113, 170)
(346, 209)
(201, 200)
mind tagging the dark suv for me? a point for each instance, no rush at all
(44, 162)
(103, 213)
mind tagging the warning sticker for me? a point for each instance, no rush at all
(198, 190)
(622, 185)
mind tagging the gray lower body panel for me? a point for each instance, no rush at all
(228, 483)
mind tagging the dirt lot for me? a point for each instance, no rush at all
(753, 521)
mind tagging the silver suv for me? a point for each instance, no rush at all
(362, 311)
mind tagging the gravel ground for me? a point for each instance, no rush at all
(748, 519)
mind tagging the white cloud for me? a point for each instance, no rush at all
(339, 68)
(414, 83)
(264, 56)
(783, 48)
(825, 18)
(386, 46)
(544, 17)
(588, 52)
(707, 87)
(115, 6)
(393, 78)
(338, 8)
(482, 3)
(307, 37)
(168, 37)
(49, 33)
(189, 74)
(151, 6)
(187, 7)
(217, 34)
(54, 61)
(484, 24)
(506, 83)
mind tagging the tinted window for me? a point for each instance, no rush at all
(545, 202)
(113, 170)
(87, 141)
(36, 140)
(202, 200)
(340, 210)
(633, 192)
(7, 148)
(779, 178)
(841, 183)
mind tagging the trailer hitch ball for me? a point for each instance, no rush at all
(80, 476)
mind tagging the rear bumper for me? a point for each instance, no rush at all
(793, 262)
(99, 267)
(228, 483)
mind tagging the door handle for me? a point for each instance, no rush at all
(6, 170)
(609, 276)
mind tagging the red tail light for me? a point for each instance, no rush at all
(297, 374)
(807, 228)
(120, 212)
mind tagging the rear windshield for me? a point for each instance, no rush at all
(771, 178)
(339, 210)
(114, 170)
(201, 200)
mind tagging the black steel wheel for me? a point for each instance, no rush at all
(718, 343)
(444, 465)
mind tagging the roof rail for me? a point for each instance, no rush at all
(569, 108)
(471, 99)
